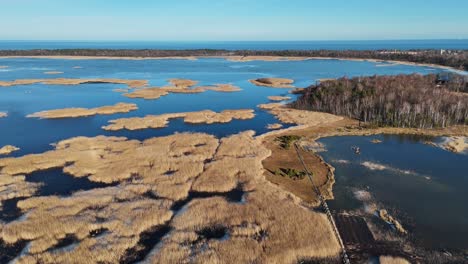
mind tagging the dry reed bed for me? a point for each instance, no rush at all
(299, 117)
(179, 86)
(159, 121)
(83, 112)
(15, 187)
(456, 144)
(274, 82)
(68, 81)
(5, 150)
(269, 226)
(279, 98)
(392, 260)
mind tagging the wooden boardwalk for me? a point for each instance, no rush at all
(324, 205)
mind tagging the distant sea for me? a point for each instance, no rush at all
(240, 45)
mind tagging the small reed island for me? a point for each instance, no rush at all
(160, 121)
(274, 82)
(177, 86)
(84, 112)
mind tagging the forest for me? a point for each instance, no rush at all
(421, 101)
(451, 58)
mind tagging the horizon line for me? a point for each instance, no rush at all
(315, 40)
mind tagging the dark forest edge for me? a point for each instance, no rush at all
(418, 101)
(451, 58)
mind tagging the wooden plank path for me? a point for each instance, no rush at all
(324, 204)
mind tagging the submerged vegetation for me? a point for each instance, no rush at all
(398, 101)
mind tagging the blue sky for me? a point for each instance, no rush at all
(202, 20)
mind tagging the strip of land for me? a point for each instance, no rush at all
(160, 121)
(3, 114)
(449, 59)
(68, 81)
(83, 112)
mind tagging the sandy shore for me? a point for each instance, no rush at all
(83, 112)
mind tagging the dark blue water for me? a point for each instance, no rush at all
(240, 45)
(424, 184)
(34, 135)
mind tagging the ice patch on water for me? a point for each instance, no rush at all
(373, 166)
(341, 161)
(362, 195)
(380, 167)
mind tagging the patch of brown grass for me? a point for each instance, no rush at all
(159, 121)
(301, 117)
(456, 144)
(392, 260)
(279, 98)
(121, 211)
(274, 126)
(15, 187)
(82, 112)
(274, 82)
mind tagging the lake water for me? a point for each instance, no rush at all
(424, 185)
(241, 45)
(33, 135)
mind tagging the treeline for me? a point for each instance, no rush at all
(452, 58)
(400, 101)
